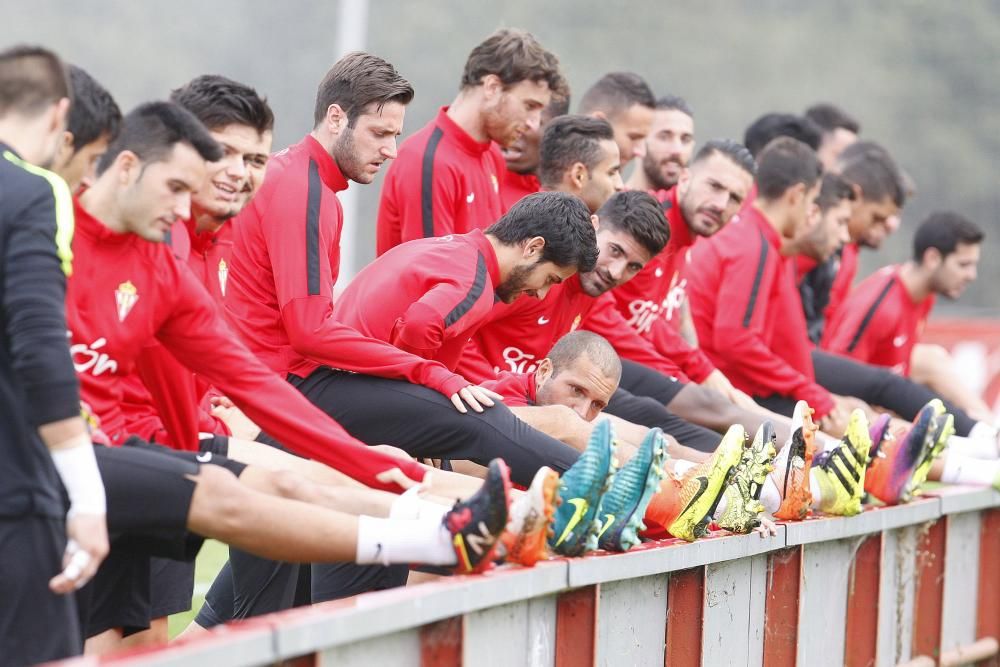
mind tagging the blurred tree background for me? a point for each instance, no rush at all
(921, 75)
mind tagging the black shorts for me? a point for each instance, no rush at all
(119, 594)
(649, 412)
(36, 625)
(425, 424)
(171, 586)
(644, 381)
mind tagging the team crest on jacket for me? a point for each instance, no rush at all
(125, 297)
(496, 183)
(576, 323)
(223, 275)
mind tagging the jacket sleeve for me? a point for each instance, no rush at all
(304, 279)
(34, 300)
(669, 342)
(171, 387)
(198, 337)
(474, 365)
(737, 330)
(606, 320)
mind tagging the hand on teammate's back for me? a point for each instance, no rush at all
(475, 397)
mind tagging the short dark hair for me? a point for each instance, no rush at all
(830, 118)
(617, 92)
(674, 103)
(152, 130)
(870, 166)
(733, 150)
(770, 126)
(577, 344)
(217, 102)
(31, 79)
(832, 191)
(561, 219)
(513, 55)
(568, 140)
(944, 230)
(640, 216)
(94, 112)
(357, 81)
(784, 163)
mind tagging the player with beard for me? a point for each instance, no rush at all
(625, 100)
(708, 195)
(668, 147)
(446, 179)
(521, 177)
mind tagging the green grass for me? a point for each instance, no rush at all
(210, 560)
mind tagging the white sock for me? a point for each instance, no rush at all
(965, 470)
(409, 505)
(681, 466)
(977, 448)
(721, 507)
(983, 430)
(770, 496)
(816, 489)
(388, 541)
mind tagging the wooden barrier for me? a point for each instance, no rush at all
(912, 584)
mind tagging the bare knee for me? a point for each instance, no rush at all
(218, 505)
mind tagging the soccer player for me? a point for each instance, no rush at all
(94, 120)
(840, 130)
(242, 124)
(522, 155)
(625, 100)
(447, 177)
(881, 321)
(46, 551)
(741, 290)
(669, 146)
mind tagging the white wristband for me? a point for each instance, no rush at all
(77, 467)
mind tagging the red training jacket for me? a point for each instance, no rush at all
(426, 297)
(286, 259)
(126, 293)
(879, 323)
(649, 300)
(442, 182)
(518, 389)
(748, 312)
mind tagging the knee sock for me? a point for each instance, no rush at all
(960, 469)
(391, 541)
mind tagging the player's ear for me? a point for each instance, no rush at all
(336, 119)
(128, 164)
(578, 175)
(533, 247)
(932, 258)
(543, 373)
(492, 86)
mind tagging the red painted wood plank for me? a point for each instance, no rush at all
(988, 612)
(441, 643)
(685, 611)
(576, 627)
(781, 610)
(862, 604)
(928, 600)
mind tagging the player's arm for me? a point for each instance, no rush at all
(434, 210)
(34, 297)
(737, 329)
(198, 337)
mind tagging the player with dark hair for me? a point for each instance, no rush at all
(669, 146)
(625, 100)
(579, 156)
(447, 177)
(770, 126)
(94, 121)
(881, 321)
(46, 551)
(840, 130)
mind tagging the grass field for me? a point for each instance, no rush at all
(210, 560)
